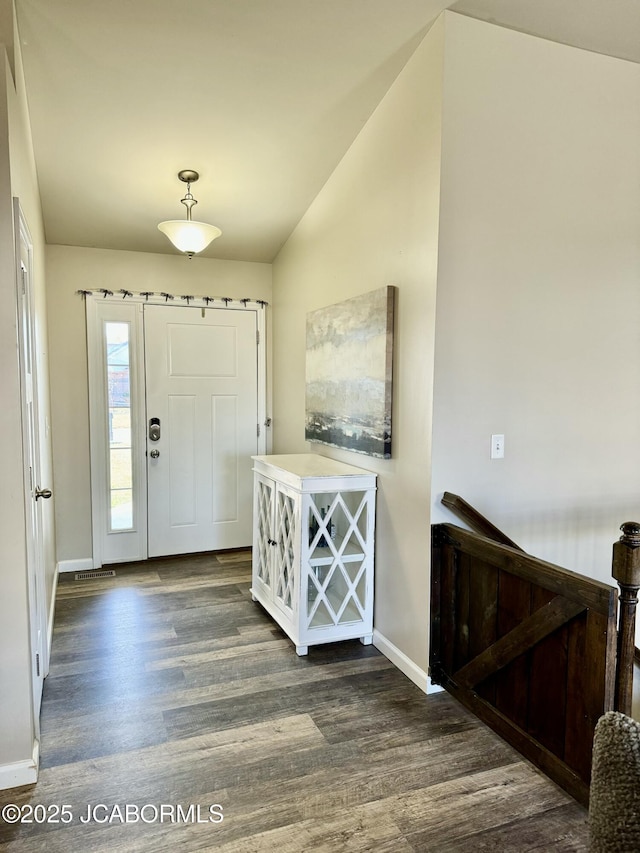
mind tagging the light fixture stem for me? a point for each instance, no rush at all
(188, 201)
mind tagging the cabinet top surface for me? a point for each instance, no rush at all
(312, 465)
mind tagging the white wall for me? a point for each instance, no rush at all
(70, 269)
(375, 223)
(538, 307)
(17, 178)
(538, 298)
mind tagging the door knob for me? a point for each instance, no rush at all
(154, 453)
(43, 493)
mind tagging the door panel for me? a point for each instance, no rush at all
(224, 456)
(201, 378)
(264, 523)
(35, 490)
(202, 351)
(286, 534)
(181, 427)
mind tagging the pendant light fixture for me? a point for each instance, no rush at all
(187, 235)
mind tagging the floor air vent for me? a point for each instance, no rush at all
(98, 573)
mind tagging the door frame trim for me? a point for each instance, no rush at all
(99, 304)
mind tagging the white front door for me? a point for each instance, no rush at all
(201, 370)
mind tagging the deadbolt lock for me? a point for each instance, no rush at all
(154, 429)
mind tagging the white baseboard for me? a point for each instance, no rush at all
(85, 565)
(404, 664)
(21, 772)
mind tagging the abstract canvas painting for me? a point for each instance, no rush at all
(349, 373)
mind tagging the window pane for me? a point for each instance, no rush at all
(121, 477)
(120, 429)
(119, 386)
(117, 335)
(121, 509)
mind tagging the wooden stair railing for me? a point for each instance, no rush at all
(536, 651)
(626, 571)
(476, 520)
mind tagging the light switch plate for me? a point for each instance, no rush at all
(497, 446)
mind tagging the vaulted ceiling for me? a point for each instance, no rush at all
(262, 97)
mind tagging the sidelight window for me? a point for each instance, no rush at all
(116, 406)
(120, 467)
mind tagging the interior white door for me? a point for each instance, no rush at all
(33, 491)
(201, 376)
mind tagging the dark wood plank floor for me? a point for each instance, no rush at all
(169, 686)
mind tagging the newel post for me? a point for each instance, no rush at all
(626, 570)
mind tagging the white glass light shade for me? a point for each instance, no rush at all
(188, 236)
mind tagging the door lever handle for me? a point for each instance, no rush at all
(43, 493)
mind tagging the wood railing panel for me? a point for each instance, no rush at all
(512, 686)
(594, 594)
(515, 640)
(625, 570)
(461, 636)
(448, 594)
(483, 619)
(542, 624)
(583, 705)
(578, 725)
(547, 682)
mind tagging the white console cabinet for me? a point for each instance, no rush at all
(313, 538)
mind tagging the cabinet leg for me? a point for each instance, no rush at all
(253, 595)
(302, 650)
(366, 641)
